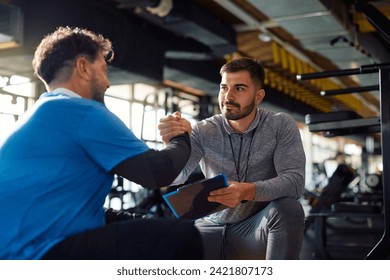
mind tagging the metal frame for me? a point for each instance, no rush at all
(382, 249)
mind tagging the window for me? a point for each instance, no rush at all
(15, 92)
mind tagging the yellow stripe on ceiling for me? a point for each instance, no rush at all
(288, 62)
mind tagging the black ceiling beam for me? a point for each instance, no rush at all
(364, 69)
(349, 90)
(376, 18)
(130, 4)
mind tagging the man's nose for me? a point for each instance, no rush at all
(229, 94)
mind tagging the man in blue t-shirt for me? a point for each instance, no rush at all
(58, 164)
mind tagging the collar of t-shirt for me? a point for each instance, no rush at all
(66, 92)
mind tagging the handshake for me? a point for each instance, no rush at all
(173, 125)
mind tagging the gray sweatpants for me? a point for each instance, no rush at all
(274, 233)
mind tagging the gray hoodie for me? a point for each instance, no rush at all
(269, 154)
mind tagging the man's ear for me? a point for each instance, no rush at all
(260, 96)
(83, 67)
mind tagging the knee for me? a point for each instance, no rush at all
(289, 208)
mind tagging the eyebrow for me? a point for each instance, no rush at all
(241, 85)
(236, 85)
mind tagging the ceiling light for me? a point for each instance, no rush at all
(265, 37)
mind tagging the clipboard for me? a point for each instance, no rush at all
(190, 201)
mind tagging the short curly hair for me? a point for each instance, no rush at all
(59, 50)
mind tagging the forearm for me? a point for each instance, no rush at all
(192, 163)
(155, 169)
(291, 185)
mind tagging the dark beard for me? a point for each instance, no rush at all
(230, 115)
(97, 94)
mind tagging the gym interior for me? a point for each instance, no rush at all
(327, 64)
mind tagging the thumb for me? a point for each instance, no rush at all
(177, 114)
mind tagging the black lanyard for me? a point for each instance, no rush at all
(238, 161)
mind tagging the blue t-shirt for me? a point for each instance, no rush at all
(54, 172)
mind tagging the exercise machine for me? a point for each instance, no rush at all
(336, 127)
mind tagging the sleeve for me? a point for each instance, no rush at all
(289, 162)
(155, 169)
(195, 157)
(106, 139)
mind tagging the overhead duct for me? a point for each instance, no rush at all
(197, 44)
(198, 74)
(188, 20)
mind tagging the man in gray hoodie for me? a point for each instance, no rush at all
(261, 154)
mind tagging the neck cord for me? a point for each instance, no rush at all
(237, 162)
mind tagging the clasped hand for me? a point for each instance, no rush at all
(173, 125)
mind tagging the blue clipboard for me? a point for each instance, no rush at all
(190, 201)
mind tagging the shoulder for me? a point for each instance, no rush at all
(208, 129)
(72, 104)
(209, 123)
(79, 111)
(276, 118)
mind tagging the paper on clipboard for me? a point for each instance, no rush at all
(190, 201)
